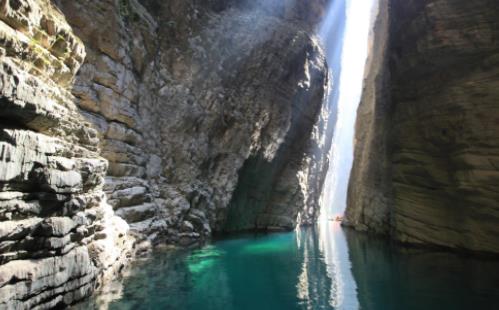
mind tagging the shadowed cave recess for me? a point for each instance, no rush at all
(131, 124)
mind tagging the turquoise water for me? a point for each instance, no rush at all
(322, 268)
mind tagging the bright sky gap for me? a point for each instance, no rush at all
(353, 58)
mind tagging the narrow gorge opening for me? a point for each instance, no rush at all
(346, 47)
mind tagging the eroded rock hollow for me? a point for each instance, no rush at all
(128, 123)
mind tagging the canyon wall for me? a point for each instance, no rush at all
(58, 235)
(127, 123)
(426, 156)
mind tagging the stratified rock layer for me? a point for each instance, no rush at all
(427, 155)
(58, 236)
(139, 122)
(191, 99)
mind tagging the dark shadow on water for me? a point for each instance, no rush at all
(391, 276)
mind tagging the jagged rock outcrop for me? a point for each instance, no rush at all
(426, 154)
(127, 123)
(58, 236)
(185, 101)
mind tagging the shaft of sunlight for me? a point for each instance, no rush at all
(345, 33)
(353, 58)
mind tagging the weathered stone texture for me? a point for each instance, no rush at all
(58, 236)
(369, 191)
(133, 123)
(184, 102)
(434, 130)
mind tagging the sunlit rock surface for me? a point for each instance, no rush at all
(426, 155)
(128, 123)
(58, 236)
(184, 101)
(369, 188)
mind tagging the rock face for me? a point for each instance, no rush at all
(196, 95)
(128, 123)
(426, 167)
(58, 236)
(369, 192)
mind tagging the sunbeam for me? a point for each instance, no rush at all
(353, 50)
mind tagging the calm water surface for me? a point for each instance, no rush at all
(322, 268)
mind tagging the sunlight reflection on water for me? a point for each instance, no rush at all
(333, 251)
(312, 268)
(350, 49)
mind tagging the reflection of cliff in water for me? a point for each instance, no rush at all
(323, 268)
(389, 276)
(312, 290)
(343, 290)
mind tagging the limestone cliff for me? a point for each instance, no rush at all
(188, 96)
(426, 168)
(126, 123)
(58, 235)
